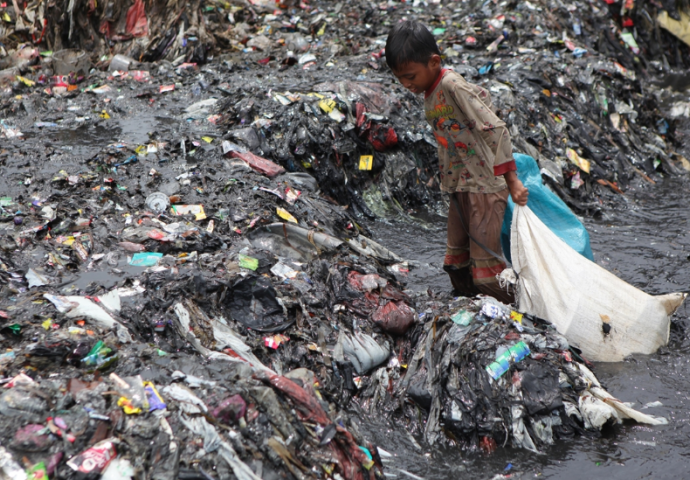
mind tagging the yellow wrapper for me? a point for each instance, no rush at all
(577, 160)
(327, 105)
(285, 215)
(366, 162)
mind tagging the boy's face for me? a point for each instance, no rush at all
(419, 77)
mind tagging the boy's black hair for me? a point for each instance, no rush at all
(409, 41)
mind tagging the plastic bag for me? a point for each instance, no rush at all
(394, 317)
(581, 298)
(548, 207)
(137, 24)
(254, 304)
(259, 164)
(362, 351)
(230, 410)
(681, 29)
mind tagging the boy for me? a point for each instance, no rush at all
(475, 158)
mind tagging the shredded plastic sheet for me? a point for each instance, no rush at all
(9, 468)
(213, 442)
(254, 304)
(225, 338)
(73, 307)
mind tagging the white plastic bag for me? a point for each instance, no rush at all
(578, 296)
(76, 307)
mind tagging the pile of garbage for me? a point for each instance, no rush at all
(484, 375)
(145, 30)
(570, 79)
(241, 367)
(244, 360)
(206, 302)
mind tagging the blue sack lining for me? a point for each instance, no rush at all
(548, 207)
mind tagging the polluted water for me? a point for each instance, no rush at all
(221, 235)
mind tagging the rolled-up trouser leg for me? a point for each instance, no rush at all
(457, 260)
(460, 275)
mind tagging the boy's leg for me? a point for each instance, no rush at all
(457, 260)
(485, 222)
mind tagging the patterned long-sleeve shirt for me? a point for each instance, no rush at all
(474, 148)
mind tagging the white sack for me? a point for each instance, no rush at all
(558, 284)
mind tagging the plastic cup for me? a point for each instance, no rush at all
(158, 202)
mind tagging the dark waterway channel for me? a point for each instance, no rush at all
(648, 245)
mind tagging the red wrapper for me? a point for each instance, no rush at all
(96, 458)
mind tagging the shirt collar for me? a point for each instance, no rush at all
(433, 87)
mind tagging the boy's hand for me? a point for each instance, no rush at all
(517, 190)
(519, 193)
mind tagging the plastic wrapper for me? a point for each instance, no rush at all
(259, 164)
(394, 317)
(95, 459)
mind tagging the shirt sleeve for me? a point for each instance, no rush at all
(475, 104)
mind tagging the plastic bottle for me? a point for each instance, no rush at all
(505, 357)
(297, 43)
(120, 63)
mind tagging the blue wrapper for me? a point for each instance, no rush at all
(155, 400)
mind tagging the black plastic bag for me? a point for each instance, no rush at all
(540, 389)
(253, 303)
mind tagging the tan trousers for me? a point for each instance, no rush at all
(471, 269)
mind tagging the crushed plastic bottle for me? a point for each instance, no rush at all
(505, 357)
